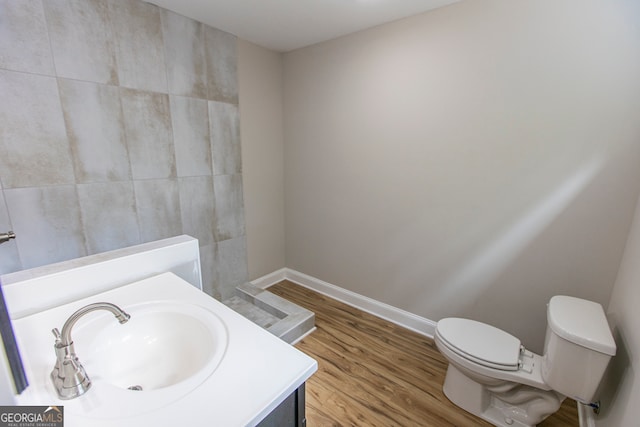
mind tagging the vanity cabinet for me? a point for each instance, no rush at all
(290, 413)
(279, 373)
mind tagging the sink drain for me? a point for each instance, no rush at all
(135, 388)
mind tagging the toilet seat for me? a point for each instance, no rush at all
(480, 343)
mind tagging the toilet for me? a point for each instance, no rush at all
(492, 376)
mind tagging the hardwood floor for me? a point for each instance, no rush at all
(375, 373)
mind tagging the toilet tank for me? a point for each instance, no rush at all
(578, 346)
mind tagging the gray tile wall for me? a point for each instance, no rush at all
(118, 125)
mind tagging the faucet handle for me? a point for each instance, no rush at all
(56, 333)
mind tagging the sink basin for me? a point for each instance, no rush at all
(162, 345)
(165, 351)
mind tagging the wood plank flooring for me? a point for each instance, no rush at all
(375, 373)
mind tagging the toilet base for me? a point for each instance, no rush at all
(531, 406)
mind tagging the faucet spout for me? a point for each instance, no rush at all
(65, 335)
(68, 375)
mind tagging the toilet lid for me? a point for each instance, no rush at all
(480, 343)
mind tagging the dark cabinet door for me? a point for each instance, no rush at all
(290, 413)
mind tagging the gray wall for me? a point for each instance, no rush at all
(620, 392)
(471, 161)
(260, 82)
(119, 125)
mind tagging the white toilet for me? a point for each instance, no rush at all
(493, 376)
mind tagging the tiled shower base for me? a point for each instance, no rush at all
(282, 318)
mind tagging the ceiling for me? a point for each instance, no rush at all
(285, 25)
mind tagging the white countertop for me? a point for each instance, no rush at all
(258, 370)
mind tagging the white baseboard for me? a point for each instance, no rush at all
(270, 279)
(385, 311)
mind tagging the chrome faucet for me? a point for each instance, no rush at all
(5, 237)
(68, 375)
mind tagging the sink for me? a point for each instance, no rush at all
(164, 352)
(191, 356)
(163, 345)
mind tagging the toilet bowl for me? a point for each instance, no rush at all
(492, 375)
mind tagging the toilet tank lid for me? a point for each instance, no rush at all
(582, 322)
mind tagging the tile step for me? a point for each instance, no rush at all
(282, 318)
